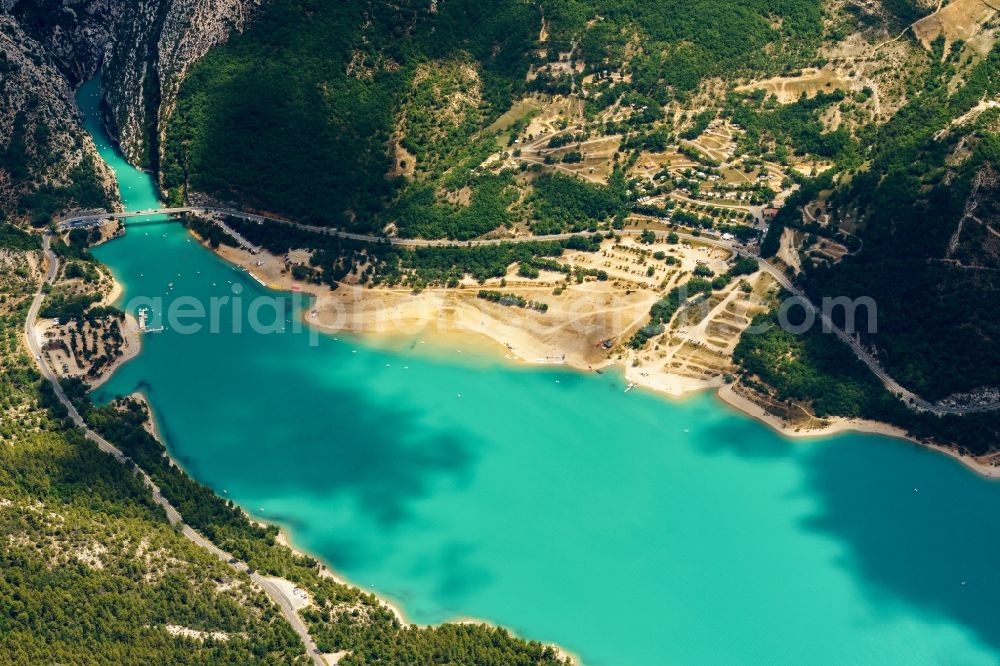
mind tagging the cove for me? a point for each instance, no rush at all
(630, 529)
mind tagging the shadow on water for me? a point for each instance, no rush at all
(342, 447)
(916, 528)
(384, 462)
(909, 529)
(728, 436)
(459, 574)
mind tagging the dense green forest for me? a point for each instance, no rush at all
(817, 369)
(937, 317)
(687, 40)
(564, 203)
(298, 114)
(90, 570)
(295, 114)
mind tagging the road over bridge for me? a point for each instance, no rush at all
(912, 400)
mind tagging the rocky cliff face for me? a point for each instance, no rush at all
(46, 159)
(144, 46)
(148, 60)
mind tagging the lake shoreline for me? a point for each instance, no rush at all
(728, 395)
(326, 570)
(130, 333)
(483, 340)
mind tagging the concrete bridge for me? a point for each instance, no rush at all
(91, 219)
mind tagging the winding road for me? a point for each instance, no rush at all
(269, 588)
(911, 399)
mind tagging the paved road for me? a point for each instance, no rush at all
(269, 588)
(90, 219)
(911, 399)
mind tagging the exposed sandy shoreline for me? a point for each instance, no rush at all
(569, 334)
(445, 318)
(728, 395)
(518, 346)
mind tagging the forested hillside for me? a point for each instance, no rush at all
(90, 570)
(420, 120)
(928, 222)
(296, 114)
(299, 114)
(924, 207)
(873, 143)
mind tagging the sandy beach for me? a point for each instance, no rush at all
(455, 319)
(569, 333)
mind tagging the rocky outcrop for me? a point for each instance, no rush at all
(43, 149)
(150, 58)
(190, 29)
(74, 33)
(144, 46)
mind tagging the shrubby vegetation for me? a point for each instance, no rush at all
(209, 231)
(818, 369)
(384, 264)
(13, 238)
(39, 199)
(562, 203)
(508, 299)
(775, 129)
(333, 75)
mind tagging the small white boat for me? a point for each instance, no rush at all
(631, 385)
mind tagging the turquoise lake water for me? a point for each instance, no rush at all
(630, 529)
